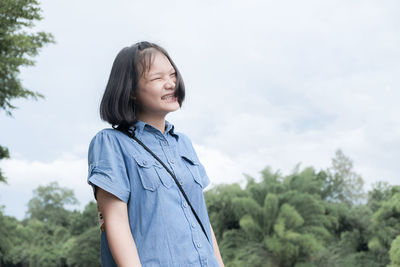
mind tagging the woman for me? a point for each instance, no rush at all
(150, 219)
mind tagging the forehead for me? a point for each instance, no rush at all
(152, 61)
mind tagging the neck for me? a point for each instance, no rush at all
(157, 122)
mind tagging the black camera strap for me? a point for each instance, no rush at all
(131, 134)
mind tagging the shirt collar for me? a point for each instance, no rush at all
(144, 126)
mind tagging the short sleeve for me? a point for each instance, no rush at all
(107, 168)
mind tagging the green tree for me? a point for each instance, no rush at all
(18, 45)
(81, 221)
(40, 244)
(8, 236)
(342, 183)
(48, 204)
(350, 246)
(42, 236)
(306, 219)
(386, 227)
(220, 207)
(84, 250)
(299, 229)
(395, 252)
(279, 221)
(3, 155)
(381, 192)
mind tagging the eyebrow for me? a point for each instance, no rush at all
(152, 74)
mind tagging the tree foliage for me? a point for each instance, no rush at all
(19, 44)
(395, 252)
(3, 154)
(51, 235)
(84, 250)
(307, 218)
(48, 204)
(342, 183)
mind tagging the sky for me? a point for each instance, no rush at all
(268, 83)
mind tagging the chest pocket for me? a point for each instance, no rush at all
(152, 173)
(194, 167)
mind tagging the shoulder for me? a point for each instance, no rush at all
(107, 134)
(108, 141)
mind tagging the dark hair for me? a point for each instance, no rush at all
(117, 105)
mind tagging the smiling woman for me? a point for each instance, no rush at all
(147, 178)
(156, 94)
(144, 72)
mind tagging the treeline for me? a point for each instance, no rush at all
(304, 219)
(307, 219)
(51, 235)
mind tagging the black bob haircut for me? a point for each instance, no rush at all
(118, 106)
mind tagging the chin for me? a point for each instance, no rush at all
(174, 109)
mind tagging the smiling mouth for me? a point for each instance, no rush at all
(167, 97)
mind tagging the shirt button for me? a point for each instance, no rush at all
(185, 204)
(198, 245)
(165, 143)
(144, 162)
(181, 182)
(193, 225)
(172, 161)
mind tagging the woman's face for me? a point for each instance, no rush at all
(156, 88)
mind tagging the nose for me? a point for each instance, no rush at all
(170, 83)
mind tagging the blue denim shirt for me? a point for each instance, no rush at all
(165, 231)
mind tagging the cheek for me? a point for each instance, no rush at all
(149, 98)
(153, 96)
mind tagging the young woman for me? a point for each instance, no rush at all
(150, 218)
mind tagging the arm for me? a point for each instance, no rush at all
(119, 235)
(216, 249)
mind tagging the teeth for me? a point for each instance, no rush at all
(168, 97)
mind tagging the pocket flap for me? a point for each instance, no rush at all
(189, 158)
(149, 175)
(146, 161)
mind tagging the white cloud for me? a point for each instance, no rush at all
(23, 176)
(220, 167)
